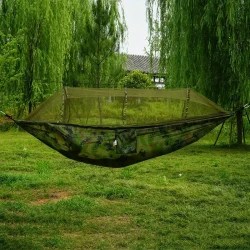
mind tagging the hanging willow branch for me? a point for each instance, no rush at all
(206, 45)
(41, 29)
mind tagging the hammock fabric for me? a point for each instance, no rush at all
(117, 128)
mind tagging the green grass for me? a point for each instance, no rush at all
(194, 198)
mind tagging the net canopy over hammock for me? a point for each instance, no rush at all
(117, 128)
(119, 107)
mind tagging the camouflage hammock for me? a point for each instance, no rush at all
(117, 128)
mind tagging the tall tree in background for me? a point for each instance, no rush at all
(206, 45)
(75, 59)
(9, 75)
(45, 43)
(105, 30)
(96, 37)
(41, 29)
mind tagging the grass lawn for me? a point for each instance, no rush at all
(194, 198)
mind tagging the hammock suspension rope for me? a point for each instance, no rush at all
(125, 102)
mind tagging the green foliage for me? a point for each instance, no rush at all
(9, 75)
(204, 44)
(45, 43)
(76, 56)
(105, 31)
(8, 59)
(137, 80)
(39, 31)
(97, 35)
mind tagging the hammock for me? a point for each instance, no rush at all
(117, 128)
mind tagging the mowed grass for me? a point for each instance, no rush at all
(194, 198)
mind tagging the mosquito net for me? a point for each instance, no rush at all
(122, 107)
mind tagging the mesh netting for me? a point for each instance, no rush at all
(117, 107)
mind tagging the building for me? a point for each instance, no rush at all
(142, 63)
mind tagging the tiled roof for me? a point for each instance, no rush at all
(142, 63)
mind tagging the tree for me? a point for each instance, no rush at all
(206, 45)
(136, 80)
(76, 56)
(94, 58)
(9, 61)
(105, 31)
(42, 32)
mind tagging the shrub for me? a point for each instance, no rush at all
(137, 80)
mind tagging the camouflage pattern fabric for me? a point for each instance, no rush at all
(120, 146)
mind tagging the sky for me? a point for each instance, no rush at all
(135, 16)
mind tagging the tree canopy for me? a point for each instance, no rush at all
(205, 45)
(95, 47)
(47, 44)
(40, 29)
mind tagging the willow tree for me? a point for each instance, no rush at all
(206, 45)
(42, 30)
(75, 59)
(105, 29)
(96, 37)
(9, 74)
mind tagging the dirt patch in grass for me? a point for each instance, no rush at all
(53, 197)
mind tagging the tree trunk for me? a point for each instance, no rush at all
(239, 118)
(30, 106)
